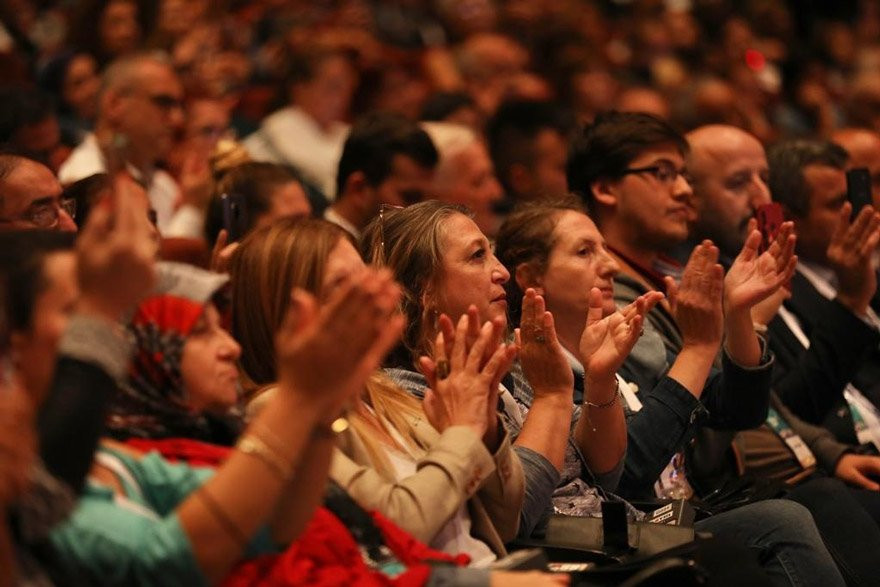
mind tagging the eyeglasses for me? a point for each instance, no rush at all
(46, 213)
(164, 102)
(663, 171)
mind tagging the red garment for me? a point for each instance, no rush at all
(326, 555)
(193, 452)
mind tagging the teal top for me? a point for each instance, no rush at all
(136, 539)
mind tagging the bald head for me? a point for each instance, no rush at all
(863, 146)
(729, 170)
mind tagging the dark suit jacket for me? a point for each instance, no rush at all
(843, 348)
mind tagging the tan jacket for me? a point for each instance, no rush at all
(456, 468)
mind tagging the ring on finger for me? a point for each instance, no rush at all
(442, 369)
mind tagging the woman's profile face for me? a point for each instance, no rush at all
(470, 273)
(343, 261)
(208, 365)
(578, 262)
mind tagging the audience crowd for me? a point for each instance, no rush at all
(390, 292)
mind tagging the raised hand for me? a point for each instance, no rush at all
(542, 358)
(474, 326)
(849, 254)
(696, 301)
(326, 353)
(606, 342)
(753, 278)
(463, 387)
(195, 180)
(221, 254)
(116, 252)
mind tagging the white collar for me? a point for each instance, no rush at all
(333, 216)
(820, 277)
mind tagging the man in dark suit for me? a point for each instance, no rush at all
(829, 309)
(729, 172)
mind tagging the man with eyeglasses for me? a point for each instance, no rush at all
(140, 114)
(630, 168)
(30, 197)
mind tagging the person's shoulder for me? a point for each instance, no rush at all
(627, 288)
(83, 161)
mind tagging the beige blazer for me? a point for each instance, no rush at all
(456, 468)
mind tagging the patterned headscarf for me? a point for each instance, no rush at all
(153, 402)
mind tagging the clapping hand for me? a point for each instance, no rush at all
(542, 358)
(606, 342)
(116, 252)
(463, 388)
(326, 353)
(850, 255)
(696, 301)
(753, 278)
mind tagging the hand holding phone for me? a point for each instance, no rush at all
(770, 219)
(235, 219)
(858, 189)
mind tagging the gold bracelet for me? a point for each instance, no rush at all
(253, 445)
(221, 517)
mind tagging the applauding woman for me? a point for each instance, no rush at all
(444, 472)
(448, 269)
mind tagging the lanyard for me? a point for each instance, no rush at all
(792, 439)
(866, 418)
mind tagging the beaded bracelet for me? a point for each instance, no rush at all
(603, 405)
(610, 402)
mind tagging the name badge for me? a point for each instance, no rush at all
(866, 418)
(792, 439)
(673, 483)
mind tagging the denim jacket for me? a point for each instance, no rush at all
(734, 398)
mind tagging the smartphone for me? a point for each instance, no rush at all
(858, 188)
(235, 219)
(770, 219)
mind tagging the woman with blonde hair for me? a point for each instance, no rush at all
(447, 267)
(444, 472)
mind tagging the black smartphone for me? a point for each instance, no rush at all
(235, 219)
(858, 188)
(770, 219)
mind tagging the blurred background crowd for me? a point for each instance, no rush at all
(772, 67)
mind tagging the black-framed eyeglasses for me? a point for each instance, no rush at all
(46, 214)
(663, 171)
